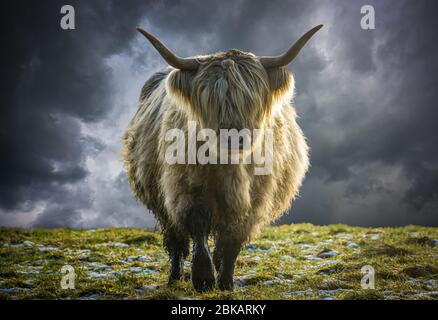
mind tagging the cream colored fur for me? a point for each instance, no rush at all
(230, 90)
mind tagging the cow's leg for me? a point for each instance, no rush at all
(198, 223)
(217, 254)
(177, 245)
(228, 250)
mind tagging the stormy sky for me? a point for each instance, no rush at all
(367, 101)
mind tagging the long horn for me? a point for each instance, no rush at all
(171, 58)
(288, 56)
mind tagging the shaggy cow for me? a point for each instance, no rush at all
(224, 90)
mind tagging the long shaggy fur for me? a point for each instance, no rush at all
(230, 90)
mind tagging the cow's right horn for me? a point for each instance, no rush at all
(289, 55)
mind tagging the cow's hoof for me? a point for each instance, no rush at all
(203, 272)
(176, 271)
(225, 282)
(173, 279)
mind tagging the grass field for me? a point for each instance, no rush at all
(299, 261)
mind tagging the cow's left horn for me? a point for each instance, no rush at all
(288, 56)
(171, 58)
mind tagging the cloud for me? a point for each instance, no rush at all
(54, 82)
(366, 101)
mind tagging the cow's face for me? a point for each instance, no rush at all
(229, 90)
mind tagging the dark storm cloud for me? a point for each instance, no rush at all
(366, 100)
(51, 80)
(392, 125)
(413, 128)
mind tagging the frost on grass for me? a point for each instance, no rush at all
(286, 262)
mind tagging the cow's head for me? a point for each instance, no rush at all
(233, 89)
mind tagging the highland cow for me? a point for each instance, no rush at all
(224, 90)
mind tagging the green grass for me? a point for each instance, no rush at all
(285, 262)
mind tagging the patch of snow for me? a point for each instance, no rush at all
(375, 236)
(255, 248)
(35, 268)
(120, 245)
(78, 252)
(414, 234)
(433, 294)
(137, 258)
(90, 296)
(147, 288)
(351, 244)
(277, 242)
(310, 257)
(242, 281)
(98, 275)
(327, 254)
(98, 266)
(327, 262)
(112, 244)
(14, 245)
(44, 248)
(28, 282)
(431, 283)
(7, 290)
(333, 291)
(306, 247)
(307, 292)
(328, 298)
(32, 270)
(19, 245)
(43, 261)
(139, 270)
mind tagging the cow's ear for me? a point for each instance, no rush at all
(281, 80)
(179, 84)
